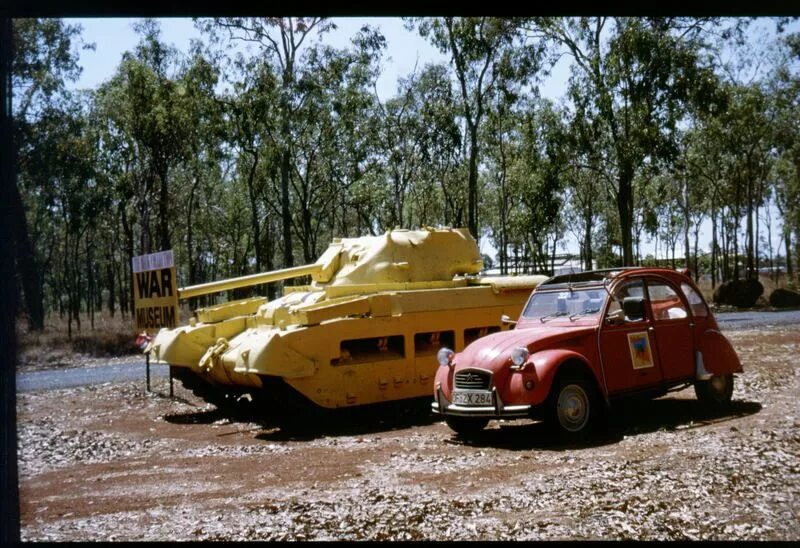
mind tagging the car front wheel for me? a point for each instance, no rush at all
(716, 392)
(573, 408)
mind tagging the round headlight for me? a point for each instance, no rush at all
(519, 355)
(444, 356)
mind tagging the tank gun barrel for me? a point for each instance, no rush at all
(247, 281)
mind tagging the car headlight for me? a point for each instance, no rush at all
(445, 356)
(519, 355)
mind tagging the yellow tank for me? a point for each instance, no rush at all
(366, 330)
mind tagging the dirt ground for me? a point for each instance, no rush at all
(110, 462)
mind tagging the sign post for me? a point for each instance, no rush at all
(155, 296)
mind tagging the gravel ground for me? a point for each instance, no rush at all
(109, 462)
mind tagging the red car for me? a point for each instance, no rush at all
(582, 341)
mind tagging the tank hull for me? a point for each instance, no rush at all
(346, 361)
(365, 331)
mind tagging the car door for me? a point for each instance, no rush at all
(627, 348)
(673, 329)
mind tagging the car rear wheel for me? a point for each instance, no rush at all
(573, 408)
(716, 392)
(466, 426)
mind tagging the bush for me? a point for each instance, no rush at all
(784, 298)
(739, 293)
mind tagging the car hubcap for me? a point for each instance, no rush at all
(718, 384)
(573, 408)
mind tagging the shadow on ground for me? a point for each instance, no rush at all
(316, 423)
(625, 418)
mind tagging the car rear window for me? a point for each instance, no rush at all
(695, 300)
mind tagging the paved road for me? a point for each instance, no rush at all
(78, 376)
(730, 321)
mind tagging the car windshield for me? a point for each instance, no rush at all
(579, 303)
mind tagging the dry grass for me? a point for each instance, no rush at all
(110, 337)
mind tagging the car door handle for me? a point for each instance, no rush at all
(651, 328)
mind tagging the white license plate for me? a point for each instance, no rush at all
(472, 397)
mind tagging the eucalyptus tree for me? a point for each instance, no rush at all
(784, 88)
(204, 161)
(544, 158)
(588, 179)
(417, 131)
(144, 103)
(280, 40)
(45, 57)
(747, 128)
(502, 139)
(641, 74)
(483, 51)
(252, 114)
(354, 152)
(332, 137)
(159, 131)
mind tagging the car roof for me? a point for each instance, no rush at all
(599, 277)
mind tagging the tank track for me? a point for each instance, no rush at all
(215, 395)
(292, 410)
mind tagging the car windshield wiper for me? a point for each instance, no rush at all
(587, 311)
(553, 315)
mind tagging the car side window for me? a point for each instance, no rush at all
(633, 288)
(665, 302)
(699, 308)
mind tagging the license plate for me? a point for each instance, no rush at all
(468, 397)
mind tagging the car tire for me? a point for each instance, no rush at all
(715, 392)
(574, 408)
(466, 426)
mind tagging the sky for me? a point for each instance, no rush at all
(114, 36)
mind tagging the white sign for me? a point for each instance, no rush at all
(153, 261)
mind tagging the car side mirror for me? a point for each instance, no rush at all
(507, 321)
(615, 318)
(633, 308)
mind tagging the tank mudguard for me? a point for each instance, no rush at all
(718, 354)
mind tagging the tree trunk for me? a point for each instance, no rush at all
(110, 283)
(625, 211)
(713, 244)
(26, 263)
(472, 183)
(288, 255)
(686, 223)
(587, 238)
(163, 212)
(256, 226)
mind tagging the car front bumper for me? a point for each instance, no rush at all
(497, 410)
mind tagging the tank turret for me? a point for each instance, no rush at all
(365, 330)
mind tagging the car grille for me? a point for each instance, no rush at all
(473, 380)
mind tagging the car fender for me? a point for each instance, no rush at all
(548, 363)
(717, 353)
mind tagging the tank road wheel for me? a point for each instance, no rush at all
(716, 392)
(573, 408)
(466, 426)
